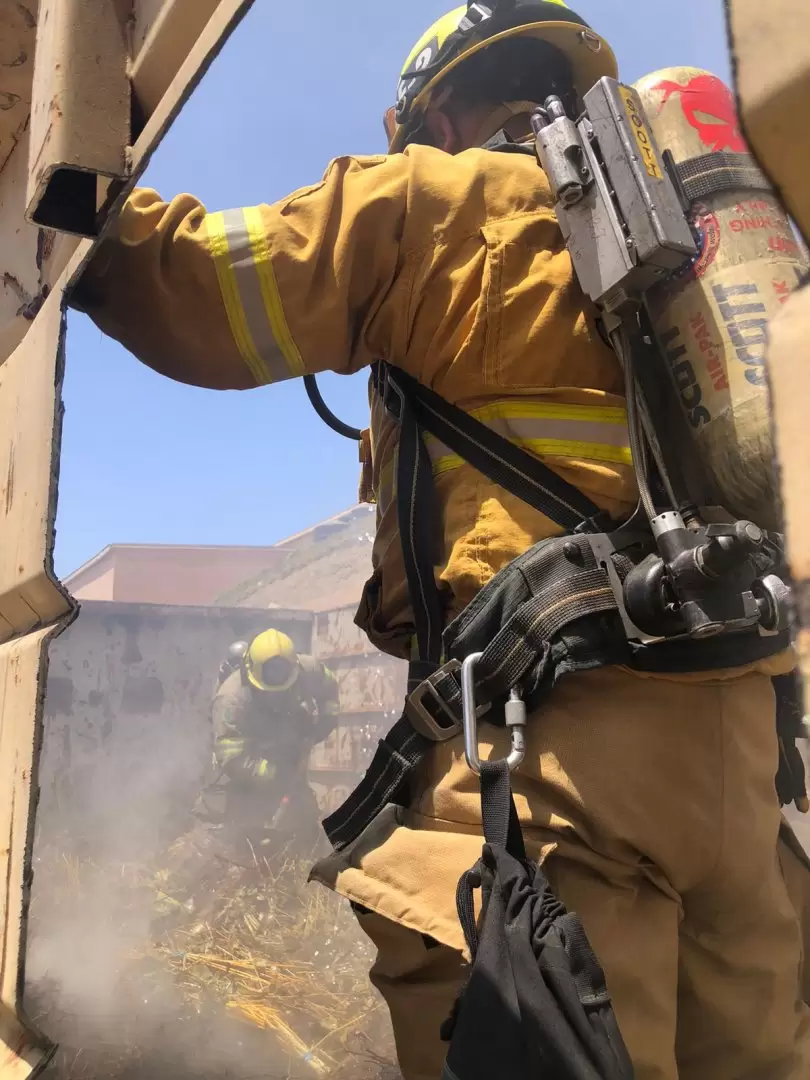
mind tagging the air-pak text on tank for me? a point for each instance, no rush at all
(712, 351)
(749, 336)
(686, 381)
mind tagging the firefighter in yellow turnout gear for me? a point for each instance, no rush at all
(650, 797)
(267, 716)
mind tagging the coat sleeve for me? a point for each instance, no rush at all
(322, 688)
(251, 296)
(234, 752)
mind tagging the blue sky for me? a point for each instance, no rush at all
(145, 460)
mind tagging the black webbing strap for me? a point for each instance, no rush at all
(564, 593)
(505, 144)
(720, 171)
(501, 461)
(502, 829)
(416, 408)
(498, 811)
(387, 778)
(418, 522)
(386, 781)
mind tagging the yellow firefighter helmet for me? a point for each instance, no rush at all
(467, 30)
(271, 662)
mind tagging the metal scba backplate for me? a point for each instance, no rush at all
(629, 230)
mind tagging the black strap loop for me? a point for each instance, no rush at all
(711, 174)
(498, 810)
(419, 522)
(505, 464)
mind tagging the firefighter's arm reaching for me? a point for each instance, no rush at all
(387, 258)
(234, 752)
(227, 300)
(322, 688)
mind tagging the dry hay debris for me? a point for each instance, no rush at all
(259, 946)
(282, 955)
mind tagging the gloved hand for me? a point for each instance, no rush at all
(791, 779)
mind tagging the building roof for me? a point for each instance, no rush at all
(326, 566)
(322, 567)
(111, 550)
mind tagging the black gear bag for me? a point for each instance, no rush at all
(535, 1004)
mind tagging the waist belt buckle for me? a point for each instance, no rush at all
(430, 714)
(389, 393)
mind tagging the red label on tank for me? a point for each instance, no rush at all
(708, 229)
(783, 245)
(782, 290)
(709, 107)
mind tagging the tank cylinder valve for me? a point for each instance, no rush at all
(561, 154)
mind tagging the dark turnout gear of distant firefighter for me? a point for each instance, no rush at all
(553, 555)
(267, 716)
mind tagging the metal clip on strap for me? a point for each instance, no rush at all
(515, 711)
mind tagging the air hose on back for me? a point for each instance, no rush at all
(326, 414)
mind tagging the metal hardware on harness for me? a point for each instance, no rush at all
(563, 153)
(604, 548)
(618, 208)
(515, 714)
(622, 212)
(773, 599)
(428, 711)
(427, 722)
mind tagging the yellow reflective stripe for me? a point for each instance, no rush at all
(270, 293)
(549, 410)
(229, 290)
(265, 770)
(591, 432)
(228, 749)
(549, 448)
(238, 246)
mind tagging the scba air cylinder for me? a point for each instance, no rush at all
(712, 320)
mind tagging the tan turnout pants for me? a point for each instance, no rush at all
(653, 804)
(796, 868)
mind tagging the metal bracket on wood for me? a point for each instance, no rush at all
(80, 113)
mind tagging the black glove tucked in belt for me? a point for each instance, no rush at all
(791, 779)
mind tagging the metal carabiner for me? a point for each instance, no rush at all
(515, 712)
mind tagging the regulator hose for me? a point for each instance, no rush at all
(326, 414)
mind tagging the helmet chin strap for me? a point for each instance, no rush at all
(499, 117)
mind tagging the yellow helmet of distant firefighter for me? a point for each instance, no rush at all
(469, 30)
(271, 661)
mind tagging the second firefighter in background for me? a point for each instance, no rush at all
(269, 711)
